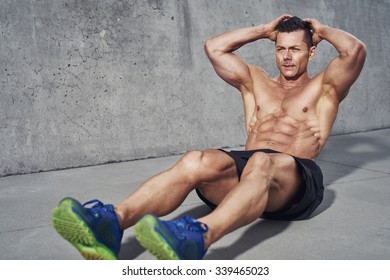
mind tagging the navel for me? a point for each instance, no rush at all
(305, 109)
(258, 108)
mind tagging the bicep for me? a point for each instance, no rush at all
(342, 72)
(237, 73)
(231, 68)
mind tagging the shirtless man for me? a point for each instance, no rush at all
(288, 120)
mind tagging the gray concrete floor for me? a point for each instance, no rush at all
(353, 221)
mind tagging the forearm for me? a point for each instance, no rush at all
(233, 40)
(345, 43)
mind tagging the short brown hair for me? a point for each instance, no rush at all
(294, 24)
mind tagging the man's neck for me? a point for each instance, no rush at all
(288, 83)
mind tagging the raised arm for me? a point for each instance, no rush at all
(343, 70)
(230, 67)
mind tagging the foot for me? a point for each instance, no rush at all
(181, 239)
(94, 231)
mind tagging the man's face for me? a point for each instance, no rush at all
(292, 54)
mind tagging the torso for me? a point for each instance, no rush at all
(294, 120)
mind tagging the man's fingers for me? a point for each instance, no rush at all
(313, 22)
(284, 17)
(281, 18)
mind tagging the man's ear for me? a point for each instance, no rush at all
(312, 52)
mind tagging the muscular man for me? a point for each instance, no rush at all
(288, 120)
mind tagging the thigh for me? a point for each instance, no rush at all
(286, 186)
(224, 176)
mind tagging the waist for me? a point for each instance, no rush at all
(308, 148)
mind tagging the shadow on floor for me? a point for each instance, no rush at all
(354, 151)
(253, 236)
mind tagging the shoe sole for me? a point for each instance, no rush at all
(147, 235)
(73, 229)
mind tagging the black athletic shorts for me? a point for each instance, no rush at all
(312, 179)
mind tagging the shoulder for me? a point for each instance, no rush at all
(257, 72)
(260, 77)
(256, 75)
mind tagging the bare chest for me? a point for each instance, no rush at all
(295, 104)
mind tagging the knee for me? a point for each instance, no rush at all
(198, 164)
(192, 160)
(191, 157)
(259, 162)
(260, 159)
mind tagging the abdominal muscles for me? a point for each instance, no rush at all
(285, 134)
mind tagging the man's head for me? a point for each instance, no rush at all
(294, 47)
(295, 24)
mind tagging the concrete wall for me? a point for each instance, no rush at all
(86, 82)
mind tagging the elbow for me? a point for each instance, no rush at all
(355, 54)
(213, 48)
(209, 47)
(359, 52)
(362, 51)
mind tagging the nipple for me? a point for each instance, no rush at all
(305, 109)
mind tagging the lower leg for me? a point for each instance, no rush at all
(164, 192)
(243, 205)
(159, 195)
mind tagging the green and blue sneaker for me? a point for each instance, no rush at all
(181, 239)
(94, 231)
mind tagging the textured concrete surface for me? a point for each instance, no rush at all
(90, 82)
(353, 222)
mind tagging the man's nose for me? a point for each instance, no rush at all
(287, 55)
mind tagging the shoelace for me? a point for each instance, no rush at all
(97, 202)
(99, 205)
